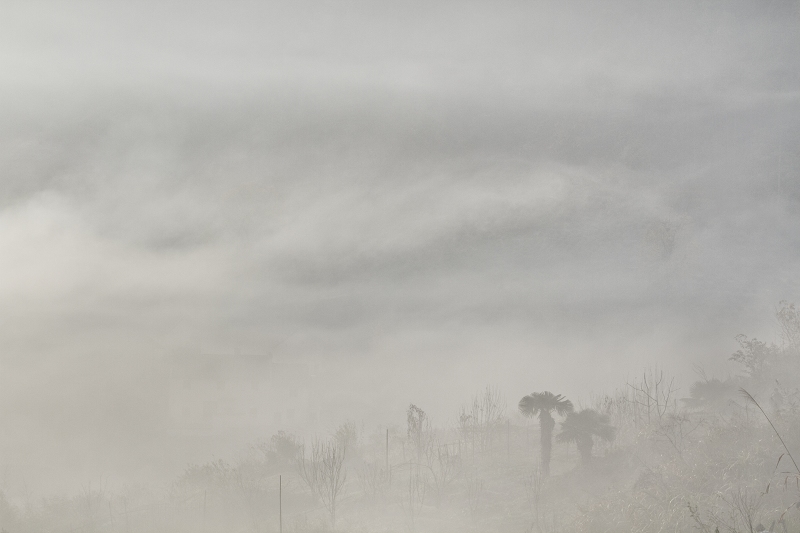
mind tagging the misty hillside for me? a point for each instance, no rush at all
(641, 457)
(241, 241)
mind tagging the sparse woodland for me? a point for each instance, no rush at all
(646, 457)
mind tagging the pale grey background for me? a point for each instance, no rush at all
(421, 197)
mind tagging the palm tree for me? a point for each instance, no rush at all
(582, 427)
(542, 404)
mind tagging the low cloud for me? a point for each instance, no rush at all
(527, 194)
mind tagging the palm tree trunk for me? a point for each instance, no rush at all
(547, 424)
(585, 449)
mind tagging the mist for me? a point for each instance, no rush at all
(219, 222)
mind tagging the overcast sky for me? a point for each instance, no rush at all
(528, 194)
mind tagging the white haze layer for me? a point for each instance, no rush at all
(422, 198)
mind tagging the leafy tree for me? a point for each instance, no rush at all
(582, 427)
(711, 394)
(543, 404)
(347, 435)
(282, 450)
(758, 358)
(789, 321)
(420, 432)
(765, 362)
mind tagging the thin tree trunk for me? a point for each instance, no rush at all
(585, 449)
(547, 424)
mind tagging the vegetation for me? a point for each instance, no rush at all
(582, 428)
(323, 472)
(719, 459)
(543, 404)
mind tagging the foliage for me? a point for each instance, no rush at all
(212, 475)
(788, 318)
(419, 431)
(712, 461)
(758, 358)
(712, 395)
(282, 450)
(582, 427)
(543, 404)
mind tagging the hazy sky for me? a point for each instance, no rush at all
(529, 194)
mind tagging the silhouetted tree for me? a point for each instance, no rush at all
(420, 432)
(543, 404)
(324, 472)
(582, 427)
(711, 394)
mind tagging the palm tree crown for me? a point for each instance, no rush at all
(582, 426)
(544, 402)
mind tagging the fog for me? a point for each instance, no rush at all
(219, 221)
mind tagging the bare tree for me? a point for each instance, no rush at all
(324, 472)
(444, 464)
(414, 498)
(480, 420)
(534, 489)
(653, 396)
(476, 488)
(372, 478)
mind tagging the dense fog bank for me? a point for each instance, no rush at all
(220, 222)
